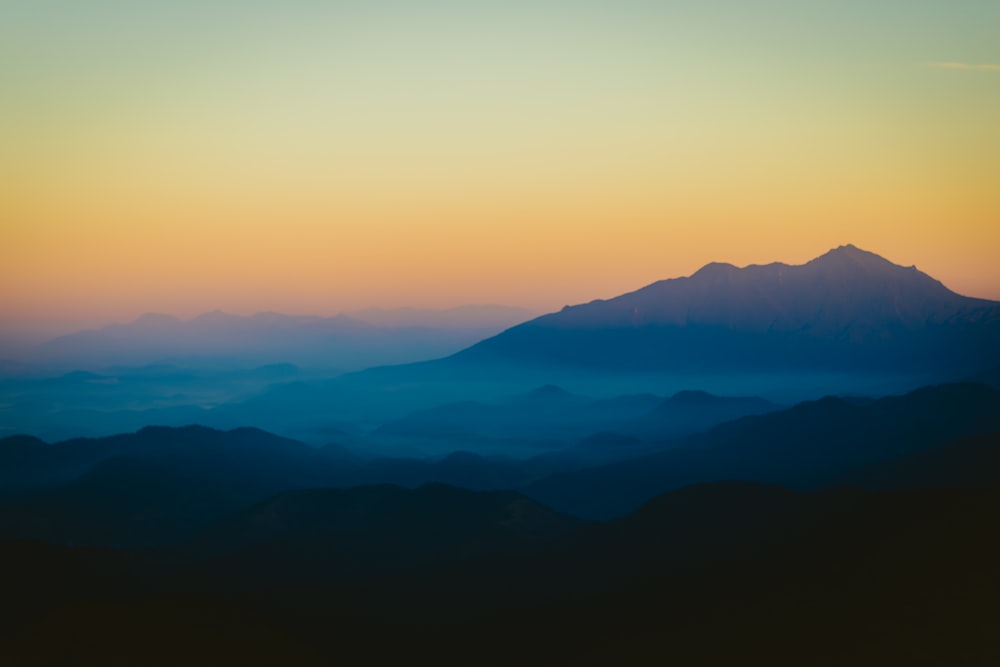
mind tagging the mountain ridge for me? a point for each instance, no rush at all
(847, 308)
(808, 445)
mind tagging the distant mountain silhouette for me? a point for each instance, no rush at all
(847, 310)
(608, 429)
(547, 412)
(805, 446)
(160, 484)
(339, 342)
(186, 476)
(246, 459)
(688, 412)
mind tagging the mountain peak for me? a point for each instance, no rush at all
(548, 391)
(851, 255)
(548, 394)
(692, 396)
(847, 257)
(715, 269)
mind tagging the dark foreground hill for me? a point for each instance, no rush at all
(710, 575)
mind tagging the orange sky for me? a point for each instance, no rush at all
(315, 160)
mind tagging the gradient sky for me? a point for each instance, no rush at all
(312, 157)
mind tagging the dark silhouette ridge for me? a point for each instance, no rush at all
(121, 502)
(246, 457)
(550, 412)
(226, 546)
(805, 446)
(195, 474)
(835, 577)
(160, 484)
(688, 412)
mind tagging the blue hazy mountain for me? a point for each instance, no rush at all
(693, 411)
(245, 459)
(847, 322)
(806, 446)
(550, 415)
(163, 370)
(846, 310)
(342, 342)
(545, 412)
(184, 475)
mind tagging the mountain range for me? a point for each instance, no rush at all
(847, 322)
(644, 503)
(193, 474)
(816, 443)
(342, 342)
(550, 413)
(847, 310)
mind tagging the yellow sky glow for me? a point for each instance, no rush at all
(550, 156)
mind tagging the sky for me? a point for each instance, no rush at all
(316, 157)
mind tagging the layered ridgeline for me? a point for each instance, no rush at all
(846, 310)
(227, 540)
(162, 484)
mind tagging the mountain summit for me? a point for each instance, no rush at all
(847, 309)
